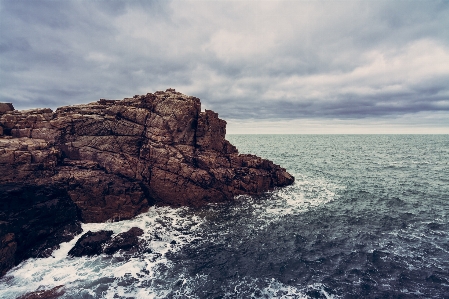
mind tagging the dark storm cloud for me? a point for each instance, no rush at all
(244, 59)
(350, 107)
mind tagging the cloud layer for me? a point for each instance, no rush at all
(268, 60)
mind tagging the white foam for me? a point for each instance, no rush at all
(161, 226)
(274, 289)
(303, 195)
(166, 230)
(278, 290)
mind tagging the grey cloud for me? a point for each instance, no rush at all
(49, 13)
(344, 106)
(243, 59)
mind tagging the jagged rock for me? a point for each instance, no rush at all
(5, 107)
(113, 159)
(124, 241)
(91, 243)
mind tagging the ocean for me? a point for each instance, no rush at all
(367, 217)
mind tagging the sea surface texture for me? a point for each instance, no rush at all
(367, 217)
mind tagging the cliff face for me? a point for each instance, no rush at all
(114, 159)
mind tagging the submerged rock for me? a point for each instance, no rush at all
(52, 293)
(111, 160)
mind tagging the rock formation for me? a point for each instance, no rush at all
(92, 243)
(126, 241)
(111, 160)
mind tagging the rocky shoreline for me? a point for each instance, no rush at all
(111, 160)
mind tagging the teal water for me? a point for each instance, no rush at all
(385, 234)
(367, 217)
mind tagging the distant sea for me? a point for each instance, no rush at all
(368, 217)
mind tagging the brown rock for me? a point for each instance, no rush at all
(53, 293)
(5, 107)
(114, 159)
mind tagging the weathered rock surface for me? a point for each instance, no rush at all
(113, 159)
(5, 107)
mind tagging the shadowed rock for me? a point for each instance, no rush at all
(91, 243)
(124, 241)
(34, 220)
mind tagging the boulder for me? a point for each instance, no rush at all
(125, 241)
(91, 243)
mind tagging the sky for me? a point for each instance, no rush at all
(266, 67)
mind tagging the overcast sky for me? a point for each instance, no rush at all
(264, 66)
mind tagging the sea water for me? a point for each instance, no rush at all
(367, 217)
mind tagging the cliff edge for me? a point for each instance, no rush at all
(111, 160)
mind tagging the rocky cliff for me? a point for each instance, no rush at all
(111, 160)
